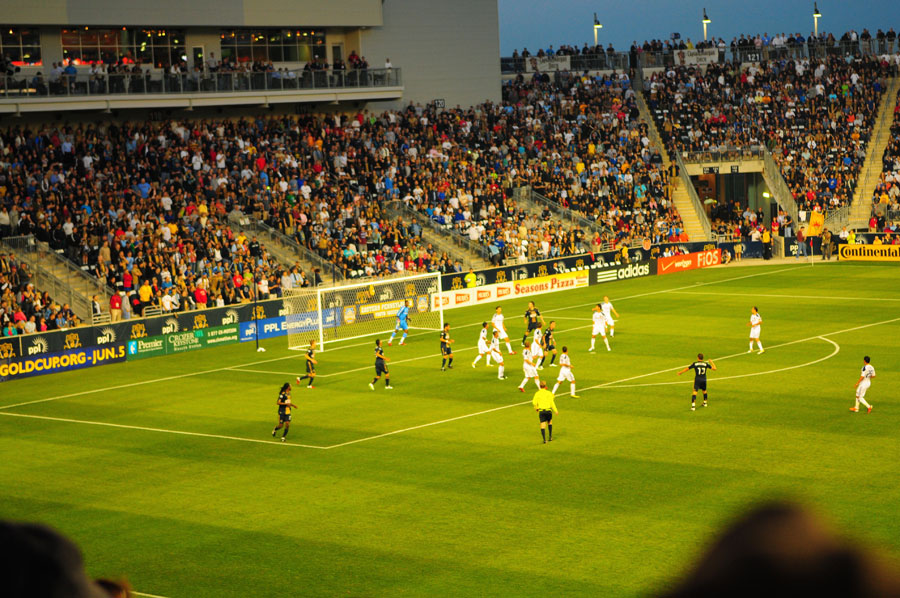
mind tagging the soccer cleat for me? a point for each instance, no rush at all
(372, 386)
(449, 367)
(540, 367)
(870, 409)
(545, 442)
(608, 349)
(854, 409)
(501, 377)
(390, 343)
(273, 433)
(443, 369)
(310, 386)
(575, 396)
(389, 388)
(553, 365)
(693, 408)
(761, 351)
(283, 439)
(521, 389)
(549, 440)
(298, 379)
(705, 404)
(750, 350)
(402, 343)
(512, 352)
(473, 365)
(591, 350)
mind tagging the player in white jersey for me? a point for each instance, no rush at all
(483, 348)
(599, 327)
(497, 323)
(565, 373)
(755, 325)
(863, 384)
(497, 356)
(530, 370)
(608, 310)
(537, 349)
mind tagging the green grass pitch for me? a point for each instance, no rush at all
(624, 498)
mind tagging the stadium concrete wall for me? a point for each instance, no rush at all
(448, 50)
(196, 13)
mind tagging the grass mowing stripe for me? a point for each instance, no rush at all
(818, 297)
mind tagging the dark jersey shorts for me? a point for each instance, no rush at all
(546, 415)
(284, 417)
(445, 349)
(700, 384)
(380, 368)
(310, 368)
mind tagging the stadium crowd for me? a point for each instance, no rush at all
(886, 198)
(25, 309)
(814, 115)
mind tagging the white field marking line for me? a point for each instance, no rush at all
(821, 298)
(163, 430)
(837, 349)
(420, 426)
(147, 595)
(252, 363)
(801, 340)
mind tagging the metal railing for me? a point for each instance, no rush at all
(565, 214)
(158, 81)
(699, 209)
(838, 218)
(725, 153)
(54, 274)
(276, 239)
(582, 62)
(446, 232)
(779, 189)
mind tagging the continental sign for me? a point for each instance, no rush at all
(65, 361)
(870, 253)
(511, 290)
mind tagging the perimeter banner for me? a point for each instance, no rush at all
(512, 290)
(64, 361)
(869, 253)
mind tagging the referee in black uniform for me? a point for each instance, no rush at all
(700, 368)
(381, 367)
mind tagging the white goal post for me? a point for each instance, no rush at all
(359, 310)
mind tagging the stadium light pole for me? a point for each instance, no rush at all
(816, 15)
(706, 21)
(597, 26)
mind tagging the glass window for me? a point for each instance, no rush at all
(276, 45)
(21, 46)
(151, 46)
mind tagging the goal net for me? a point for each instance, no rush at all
(359, 310)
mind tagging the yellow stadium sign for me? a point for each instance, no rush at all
(870, 253)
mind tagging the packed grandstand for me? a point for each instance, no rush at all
(157, 210)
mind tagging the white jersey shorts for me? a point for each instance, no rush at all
(599, 329)
(565, 374)
(754, 332)
(482, 347)
(497, 356)
(530, 371)
(862, 388)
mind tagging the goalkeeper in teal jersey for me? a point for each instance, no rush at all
(402, 323)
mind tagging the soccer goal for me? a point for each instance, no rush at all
(359, 310)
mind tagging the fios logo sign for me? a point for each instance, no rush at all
(691, 261)
(462, 298)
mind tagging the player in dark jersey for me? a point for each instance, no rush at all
(548, 344)
(446, 351)
(700, 368)
(284, 410)
(381, 367)
(310, 365)
(533, 320)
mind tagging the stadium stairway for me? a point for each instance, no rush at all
(681, 197)
(468, 253)
(53, 273)
(284, 249)
(870, 176)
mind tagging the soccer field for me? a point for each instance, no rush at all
(164, 470)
